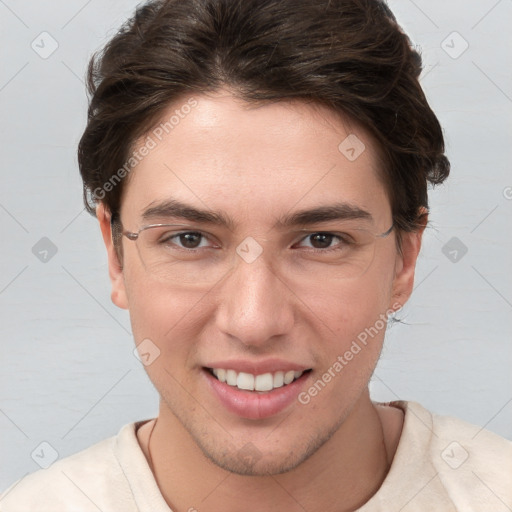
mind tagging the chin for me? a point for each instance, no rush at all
(256, 464)
(252, 461)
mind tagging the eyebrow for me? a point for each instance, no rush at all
(175, 209)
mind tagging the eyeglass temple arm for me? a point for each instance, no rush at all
(386, 233)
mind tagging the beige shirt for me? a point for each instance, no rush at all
(442, 464)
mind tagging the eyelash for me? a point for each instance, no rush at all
(342, 239)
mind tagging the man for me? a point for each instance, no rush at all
(259, 171)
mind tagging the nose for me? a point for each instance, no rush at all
(254, 303)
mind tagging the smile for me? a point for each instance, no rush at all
(249, 382)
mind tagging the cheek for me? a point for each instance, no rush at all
(351, 320)
(351, 326)
(166, 316)
(166, 324)
(346, 309)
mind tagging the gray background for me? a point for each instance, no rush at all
(69, 377)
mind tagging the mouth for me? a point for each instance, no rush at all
(262, 383)
(256, 396)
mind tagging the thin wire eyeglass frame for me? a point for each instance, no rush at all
(118, 232)
(134, 235)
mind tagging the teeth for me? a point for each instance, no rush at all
(249, 382)
(231, 377)
(245, 381)
(264, 382)
(289, 376)
(278, 379)
(220, 374)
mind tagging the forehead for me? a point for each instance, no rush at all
(219, 153)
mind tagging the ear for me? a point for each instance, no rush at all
(405, 266)
(115, 271)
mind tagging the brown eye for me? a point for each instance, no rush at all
(321, 241)
(186, 240)
(190, 240)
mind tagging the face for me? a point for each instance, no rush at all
(266, 299)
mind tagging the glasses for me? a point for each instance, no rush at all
(180, 255)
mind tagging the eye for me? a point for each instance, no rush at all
(187, 240)
(322, 241)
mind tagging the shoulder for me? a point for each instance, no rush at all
(88, 480)
(473, 464)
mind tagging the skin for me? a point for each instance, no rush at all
(255, 164)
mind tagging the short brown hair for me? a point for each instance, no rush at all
(350, 55)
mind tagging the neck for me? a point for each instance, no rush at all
(341, 476)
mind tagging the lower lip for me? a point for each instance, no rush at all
(252, 404)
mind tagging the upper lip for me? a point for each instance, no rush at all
(258, 367)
